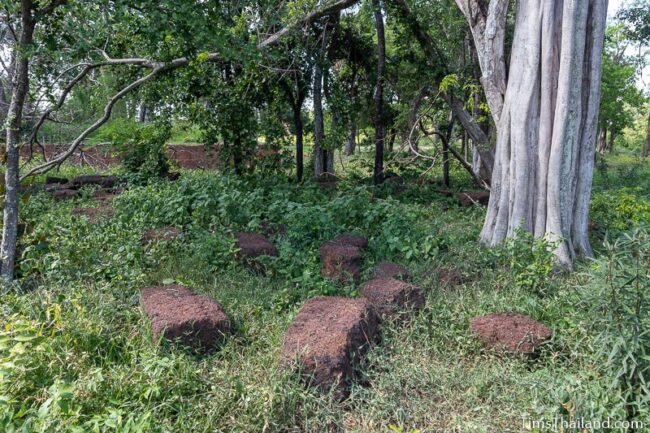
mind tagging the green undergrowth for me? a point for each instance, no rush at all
(76, 353)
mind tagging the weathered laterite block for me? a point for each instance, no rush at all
(391, 270)
(178, 314)
(328, 337)
(391, 297)
(511, 332)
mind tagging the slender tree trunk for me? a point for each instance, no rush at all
(329, 153)
(646, 146)
(237, 158)
(142, 112)
(351, 143)
(319, 124)
(297, 122)
(320, 154)
(414, 107)
(546, 120)
(610, 144)
(3, 103)
(329, 161)
(378, 172)
(464, 146)
(392, 135)
(20, 87)
(476, 161)
(445, 151)
(602, 140)
(7, 84)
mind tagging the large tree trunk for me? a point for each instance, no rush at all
(646, 146)
(20, 87)
(546, 121)
(378, 171)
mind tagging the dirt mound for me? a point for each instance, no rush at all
(103, 181)
(167, 233)
(391, 270)
(94, 214)
(510, 331)
(252, 245)
(391, 297)
(178, 314)
(328, 337)
(470, 198)
(341, 262)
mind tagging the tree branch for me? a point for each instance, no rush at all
(157, 68)
(60, 101)
(108, 109)
(307, 20)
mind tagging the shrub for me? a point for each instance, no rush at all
(620, 209)
(618, 307)
(529, 259)
(143, 147)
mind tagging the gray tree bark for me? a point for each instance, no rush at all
(546, 117)
(19, 89)
(143, 112)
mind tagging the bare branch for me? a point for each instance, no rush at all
(60, 101)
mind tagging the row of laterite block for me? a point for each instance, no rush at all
(330, 334)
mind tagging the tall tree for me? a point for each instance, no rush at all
(636, 17)
(620, 100)
(19, 89)
(378, 171)
(545, 108)
(320, 153)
